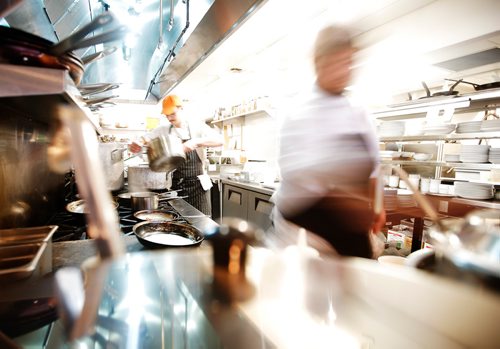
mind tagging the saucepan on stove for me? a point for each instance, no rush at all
(21, 48)
(167, 234)
(149, 201)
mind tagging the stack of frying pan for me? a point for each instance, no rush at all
(21, 48)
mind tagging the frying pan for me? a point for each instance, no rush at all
(450, 92)
(478, 87)
(79, 207)
(21, 48)
(156, 215)
(167, 234)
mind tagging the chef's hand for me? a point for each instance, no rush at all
(378, 222)
(135, 147)
(190, 145)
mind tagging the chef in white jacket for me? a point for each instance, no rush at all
(329, 156)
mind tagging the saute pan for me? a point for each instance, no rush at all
(79, 206)
(167, 234)
(478, 87)
(450, 92)
(156, 215)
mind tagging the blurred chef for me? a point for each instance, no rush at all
(191, 177)
(329, 156)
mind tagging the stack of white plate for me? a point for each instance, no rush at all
(476, 191)
(490, 126)
(468, 127)
(494, 156)
(392, 129)
(442, 129)
(474, 153)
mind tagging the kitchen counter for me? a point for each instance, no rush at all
(74, 253)
(267, 189)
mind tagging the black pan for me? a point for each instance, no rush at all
(478, 87)
(450, 92)
(167, 234)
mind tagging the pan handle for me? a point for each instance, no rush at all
(465, 82)
(455, 84)
(427, 91)
(111, 35)
(68, 43)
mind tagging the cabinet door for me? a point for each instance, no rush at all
(235, 202)
(259, 209)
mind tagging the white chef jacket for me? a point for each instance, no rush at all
(323, 143)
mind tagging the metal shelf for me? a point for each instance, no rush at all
(255, 112)
(419, 108)
(447, 137)
(471, 166)
(36, 91)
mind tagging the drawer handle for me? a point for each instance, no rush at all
(263, 206)
(234, 196)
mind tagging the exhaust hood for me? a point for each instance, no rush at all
(166, 40)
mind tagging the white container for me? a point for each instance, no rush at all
(434, 186)
(393, 181)
(425, 185)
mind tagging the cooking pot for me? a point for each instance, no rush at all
(21, 48)
(167, 234)
(148, 200)
(111, 155)
(141, 177)
(165, 153)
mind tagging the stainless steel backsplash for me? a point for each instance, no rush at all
(29, 192)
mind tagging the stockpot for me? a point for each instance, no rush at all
(111, 155)
(141, 177)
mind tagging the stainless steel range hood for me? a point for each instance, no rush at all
(223, 17)
(167, 40)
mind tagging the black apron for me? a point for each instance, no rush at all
(185, 177)
(341, 218)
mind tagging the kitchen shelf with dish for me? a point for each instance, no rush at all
(434, 151)
(419, 108)
(238, 116)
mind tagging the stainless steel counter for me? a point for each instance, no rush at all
(257, 187)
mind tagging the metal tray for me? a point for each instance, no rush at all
(26, 252)
(26, 235)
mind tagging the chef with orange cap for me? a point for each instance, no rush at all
(191, 177)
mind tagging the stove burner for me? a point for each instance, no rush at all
(74, 226)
